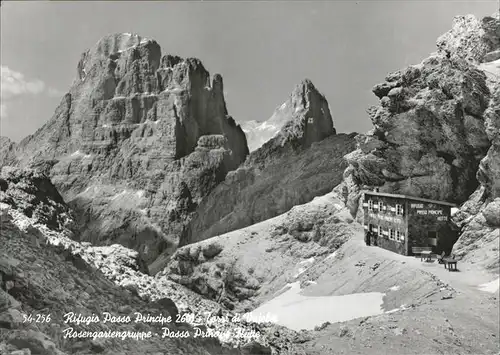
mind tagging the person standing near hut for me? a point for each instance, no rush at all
(368, 236)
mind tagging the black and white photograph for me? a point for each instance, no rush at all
(231, 177)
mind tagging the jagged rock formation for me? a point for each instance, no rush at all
(429, 135)
(136, 143)
(302, 161)
(305, 101)
(476, 40)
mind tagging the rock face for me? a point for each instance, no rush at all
(136, 143)
(302, 161)
(479, 217)
(305, 102)
(429, 130)
(7, 150)
(436, 135)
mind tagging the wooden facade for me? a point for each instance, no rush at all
(400, 222)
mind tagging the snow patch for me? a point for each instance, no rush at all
(297, 312)
(118, 195)
(75, 154)
(173, 90)
(395, 288)
(402, 308)
(140, 193)
(266, 125)
(307, 261)
(418, 66)
(491, 287)
(303, 269)
(331, 256)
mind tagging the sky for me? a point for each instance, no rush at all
(261, 48)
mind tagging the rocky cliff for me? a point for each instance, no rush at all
(136, 143)
(429, 134)
(479, 217)
(303, 160)
(435, 133)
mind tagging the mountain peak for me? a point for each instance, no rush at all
(117, 43)
(306, 110)
(135, 124)
(306, 83)
(470, 38)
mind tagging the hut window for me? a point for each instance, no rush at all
(380, 231)
(399, 209)
(370, 205)
(381, 205)
(391, 234)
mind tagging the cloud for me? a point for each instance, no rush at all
(14, 84)
(55, 93)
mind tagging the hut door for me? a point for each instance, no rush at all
(432, 238)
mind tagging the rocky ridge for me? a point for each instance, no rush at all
(44, 272)
(302, 161)
(136, 143)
